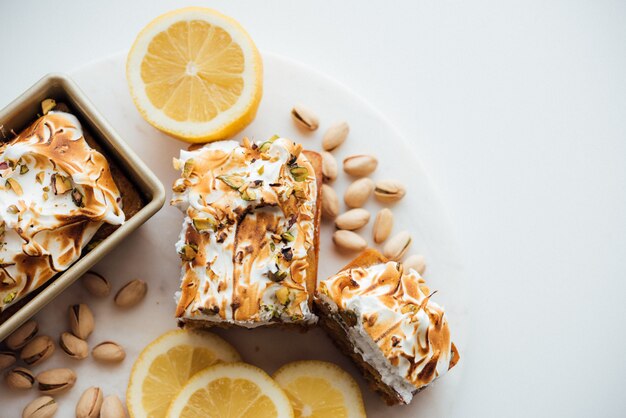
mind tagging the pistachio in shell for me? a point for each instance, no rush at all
(90, 403)
(96, 284)
(7, 359)
(108, 352)
(131, 293)
(37, 350)
(20, 378)
(82, 321)
(42, 407)
(21, 336)
(56, 380)
(112, 407)
(73, 346)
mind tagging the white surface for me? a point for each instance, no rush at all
(516, 109)
(419, 212)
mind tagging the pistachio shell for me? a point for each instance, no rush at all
(383, 224)
(358, 192)
(112, 407)
(304, 117)
(352, 219)
(389, 191)
(56, 380)
(42, 407)
(330, 202)
(37, 350)
(20, 378)
(335, 136)
(416, 262)
(73, 346)
(360, 165)
(81, 321)
(329, 167)
(349, 240)
(108, 352)
(7, 359)
(90, 403)
(397, 246)
(22, 335)
(131, 294)
(96, 284)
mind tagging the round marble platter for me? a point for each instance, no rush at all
(149, 253)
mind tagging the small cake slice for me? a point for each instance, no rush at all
(249, 241)
(381, 315)
(56, 191)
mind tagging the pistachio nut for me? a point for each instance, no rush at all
(349, 240)
(96, 284)
(360, 165)
(383, 224)
(73, 346)
(20, 378)
(304, 117)
(108, 352)
(389, 191)
(330, 202)
(42, 407)
(131, 293)
(37, 350)
(352, 219)
(81, 321)
(415, 262)
(90, 403)
(282, 295)
(22, 335)
(397, 246)
(56, 380)
(358, 192)
(335, 136)
(47, 105)
(329, 167)
(112, 407)
(7, 359)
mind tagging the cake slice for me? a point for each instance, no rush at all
(56, 192)
(249, 241)
(381, 316)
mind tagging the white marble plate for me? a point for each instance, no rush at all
(149, 253)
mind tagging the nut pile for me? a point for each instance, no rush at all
(31, 349)
(358, 193)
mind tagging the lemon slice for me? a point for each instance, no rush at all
(195, 74)
(234, 390)
(165, 366)
(318, 389)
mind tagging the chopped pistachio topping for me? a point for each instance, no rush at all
(12, 184)
(232, 181)
(248, 194)
(299, 173)
(9, 298)
(13, 209)
(204, 224)
(23, 169)
(188, 252)
(47, 105)
(282, 295)
(288, 236)
(77, 198)
(277, 276)
(40, 176)
(261, 170)
(60, 184)
(188, 168)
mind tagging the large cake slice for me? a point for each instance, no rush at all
(381, 315)
(249, 241)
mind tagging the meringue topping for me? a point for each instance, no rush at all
(248, 231)
(55, 193)
(391, 306)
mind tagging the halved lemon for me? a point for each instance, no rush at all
(234, 390)
(318, 389)
(167, 364)
(195, 74)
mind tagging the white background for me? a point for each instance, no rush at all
(518, 113)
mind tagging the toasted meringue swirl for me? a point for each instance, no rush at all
(392, 307)
(247, 233)
(55, 192)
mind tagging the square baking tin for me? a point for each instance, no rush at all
(17, 116)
